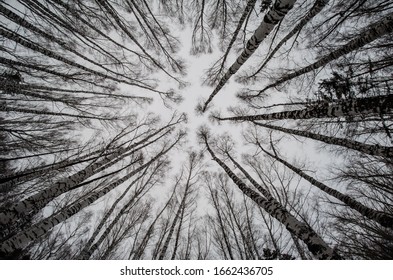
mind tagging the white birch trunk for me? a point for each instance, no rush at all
(275, 15)
(371, 33)
(316, 8)
(367, 106)
(39, 200)
(375, 150)
(317, 246)
(20, 240)
(382, 218)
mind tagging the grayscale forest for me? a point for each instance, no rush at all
(196, 129)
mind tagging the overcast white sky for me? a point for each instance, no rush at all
(196, 67)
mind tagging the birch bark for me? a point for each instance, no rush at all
(372, 32)
(275, 15)
(317, 246)
(375, 150)
(360, 106)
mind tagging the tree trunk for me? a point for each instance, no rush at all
(39, 200)
(380, 217)
(315, 9)
(371, 33)
(374, 150)
(275, 15)
(247, 10)
(315, 243)
(85, 252)
(22, 239)
(33, 46)
(361, 106)
(217, 207)
(22, 22)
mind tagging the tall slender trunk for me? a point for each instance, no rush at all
(33, 46)
(22, 22)
(66, 77)
(315, 9)
(20, 240)
(360, 106)
(137, 254)
(235, 222)
(374, 150)
(246, 12)
(170, 233)
(84, 254)
(217, 207)
(39, 200)
(162, 234)
(315, 243)
(22, 176)
(179, 228)
(177, 215)
(4, 108)
(269, 227)
(252, 240)
(275, 15)
(372, 32)
(380, 217)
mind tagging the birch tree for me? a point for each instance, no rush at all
(372, 32)
(315, 244)
(369, 180)
(368, 106)
(185, 205)
(115, 229)
(235, 231)
(139, 250)
(83, 160)
(215, 72)
(277, 13)
(382, 218)
(23, 238)
(39, 200)
(315, 10)
(377, 150)
(86, 252)
(60, 17)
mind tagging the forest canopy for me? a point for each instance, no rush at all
(195, 129)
